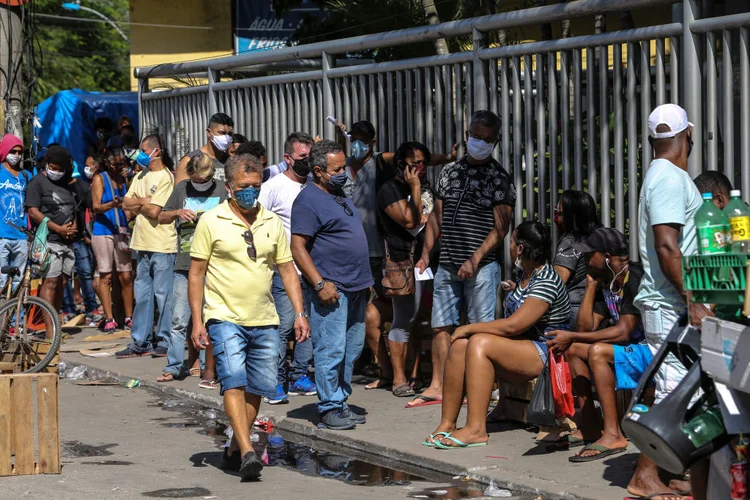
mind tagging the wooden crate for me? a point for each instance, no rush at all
(24, 449)
(40, 348)
(514, 400)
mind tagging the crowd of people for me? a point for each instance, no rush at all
(233, 261)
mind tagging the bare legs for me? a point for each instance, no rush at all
(52, 291)
(441, 343)
(241, 408)
(105, 292)
(473, 363)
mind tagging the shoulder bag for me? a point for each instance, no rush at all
(398, 277)
(122, 238)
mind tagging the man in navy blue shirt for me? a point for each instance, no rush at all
(330, 248)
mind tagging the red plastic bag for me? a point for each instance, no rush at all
(562, 386)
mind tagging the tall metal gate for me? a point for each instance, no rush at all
(567, 121)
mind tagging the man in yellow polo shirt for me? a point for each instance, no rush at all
(235, 248)
(156, 245)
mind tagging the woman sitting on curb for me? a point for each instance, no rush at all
(512, 348)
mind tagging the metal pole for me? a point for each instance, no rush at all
(693, 84)
(517, 137)
(328, 130)
(142, 89)
(745, 111)
(528, 107)
(632, 178)
(213, 107)
(712, 105)
(728, 104)
(480, 71)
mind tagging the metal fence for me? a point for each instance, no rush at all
(573, 110)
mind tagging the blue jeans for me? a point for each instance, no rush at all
(303, 352)
(154, 279)
(245, 356)
(477, 294)
(180, 323)
(84, 267)
(338, 335)
(13, 253)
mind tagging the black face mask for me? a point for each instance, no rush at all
(302, 167)
(690, 145)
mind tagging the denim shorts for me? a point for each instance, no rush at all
(477, 295)
(245, 356)
(631, 362)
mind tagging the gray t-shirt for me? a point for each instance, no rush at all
(570, 258)
(363, 192)
(219, 175)
(186, 196)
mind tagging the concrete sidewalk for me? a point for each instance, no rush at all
(394, 433)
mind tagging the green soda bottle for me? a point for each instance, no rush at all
(704, 427)
(713, 228)
(739, 219)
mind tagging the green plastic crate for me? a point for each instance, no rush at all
(715, 279)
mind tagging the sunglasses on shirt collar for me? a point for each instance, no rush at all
(250, 241)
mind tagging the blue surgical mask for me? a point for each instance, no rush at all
(359, 149)
(247, 198)
(143, 159)
(337, 181)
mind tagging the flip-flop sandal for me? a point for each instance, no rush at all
(165, 377)
(381, 384)
(416, 384)
(603, 453)
(431, 442)
(426, 401)
(566, 442)
(403, 391)
(195, 372)
(459, 444)
(208, 384)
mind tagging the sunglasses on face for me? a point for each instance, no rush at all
(341, 202)
(15, 152)
(251, 251)
(416, 164)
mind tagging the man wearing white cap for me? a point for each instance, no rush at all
(666, 231)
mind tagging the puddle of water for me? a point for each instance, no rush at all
(449, 493)
(284, 450)
(77, 449)
(178, 493)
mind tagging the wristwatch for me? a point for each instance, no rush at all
(320, 285)
(301, 315)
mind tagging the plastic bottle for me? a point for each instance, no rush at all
(713, 228)
(704, 427)
(739, 219)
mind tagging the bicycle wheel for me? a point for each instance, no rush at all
(35, 342)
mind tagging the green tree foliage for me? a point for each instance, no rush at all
(80, 54)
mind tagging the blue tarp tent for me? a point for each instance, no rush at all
(68, 117)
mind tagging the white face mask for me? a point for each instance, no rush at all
(202, 186)
(478, 149)
(89, 171)
(13, 159)
(53, 175)
(222, 142)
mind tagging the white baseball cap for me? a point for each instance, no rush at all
(671, 115)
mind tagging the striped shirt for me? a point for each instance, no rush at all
(469, 194)
(545, 285)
